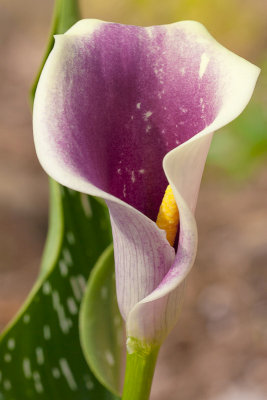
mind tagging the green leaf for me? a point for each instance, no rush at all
(66, 13)
(55, 233)
(101, 325)
(40, 353)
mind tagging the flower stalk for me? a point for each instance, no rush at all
(140, 366)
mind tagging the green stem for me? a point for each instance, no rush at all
(140, 367)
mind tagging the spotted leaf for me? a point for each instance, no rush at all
(40, 352)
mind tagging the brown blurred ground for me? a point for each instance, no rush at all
(220, 343)
(218, 351)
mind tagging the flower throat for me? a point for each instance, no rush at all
(168, 216)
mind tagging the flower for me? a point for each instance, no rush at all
(120, 112)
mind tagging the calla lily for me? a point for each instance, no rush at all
(120, 112)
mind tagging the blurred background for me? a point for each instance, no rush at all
(218, 351)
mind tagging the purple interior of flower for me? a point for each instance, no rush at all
(130, 98)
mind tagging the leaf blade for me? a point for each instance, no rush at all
(101, 325)
(40, 353)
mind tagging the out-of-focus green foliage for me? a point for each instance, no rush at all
(241, 146)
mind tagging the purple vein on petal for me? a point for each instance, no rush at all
(142, 255)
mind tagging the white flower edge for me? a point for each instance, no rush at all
(236, 88)
(153, 317)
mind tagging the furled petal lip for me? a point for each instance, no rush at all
(80, 184)
(63, 177)
(184, 259)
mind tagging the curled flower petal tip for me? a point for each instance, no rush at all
(122, 111)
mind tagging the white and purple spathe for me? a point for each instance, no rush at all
(119, 112)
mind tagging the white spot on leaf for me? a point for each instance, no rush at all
(86, 205)
(63, 321)
(63, 268)
(46, 288)
(39, 355)
(73, 309)
(7, 384)
(70, 238)
(47, 332)
(82, 283)
(88, 382)
(26, 318)
(37, 382)
(26, 366)
(67, 256)
(104, 292)
(76, 288)
(11, 344)
(110, 358)
(7, 357)
(56, 373)
(66, 371)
